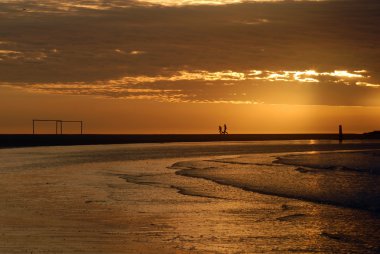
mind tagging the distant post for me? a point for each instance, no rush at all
(340, 133)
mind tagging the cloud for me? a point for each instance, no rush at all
(11, 55)
(287, 52)
(64, 6)
(367, 84)
(252, 87)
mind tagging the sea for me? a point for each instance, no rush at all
(296, 196)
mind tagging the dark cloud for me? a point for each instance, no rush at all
(79, 47)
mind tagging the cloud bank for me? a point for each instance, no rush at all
(274, 52)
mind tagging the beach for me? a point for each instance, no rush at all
(297, 196)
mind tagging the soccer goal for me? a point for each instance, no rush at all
(58, 125)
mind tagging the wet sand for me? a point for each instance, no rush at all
(129, 199)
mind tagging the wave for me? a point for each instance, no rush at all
(365, 161)
(349, 179)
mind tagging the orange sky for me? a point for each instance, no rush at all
(131, 116)
(189, 66)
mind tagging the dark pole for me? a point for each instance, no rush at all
(61, 127)
(340, 133)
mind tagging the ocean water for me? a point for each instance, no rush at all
(349, 179)
(227, 197)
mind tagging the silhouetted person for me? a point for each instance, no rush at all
(220, 130)
(225, 129)
(340, 133)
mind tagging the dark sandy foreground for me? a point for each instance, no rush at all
(91, 200)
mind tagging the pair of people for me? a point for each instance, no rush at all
(224, 131)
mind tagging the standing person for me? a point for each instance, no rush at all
(225, 129)
(220, 130)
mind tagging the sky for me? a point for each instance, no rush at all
(152, 66)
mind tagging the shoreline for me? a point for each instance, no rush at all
(30, 140)
(129, 199)
(249, 173)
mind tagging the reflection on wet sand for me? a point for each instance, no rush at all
(56, 201)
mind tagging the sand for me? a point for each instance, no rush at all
(114, 199)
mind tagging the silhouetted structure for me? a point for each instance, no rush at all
(58, 123)
(220, 130)
(28, 140)
(340, 133)
(372, 134)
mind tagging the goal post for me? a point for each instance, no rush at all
(58, 125)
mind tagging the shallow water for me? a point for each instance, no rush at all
(136, 199)
(342, 178)
(362, 162)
